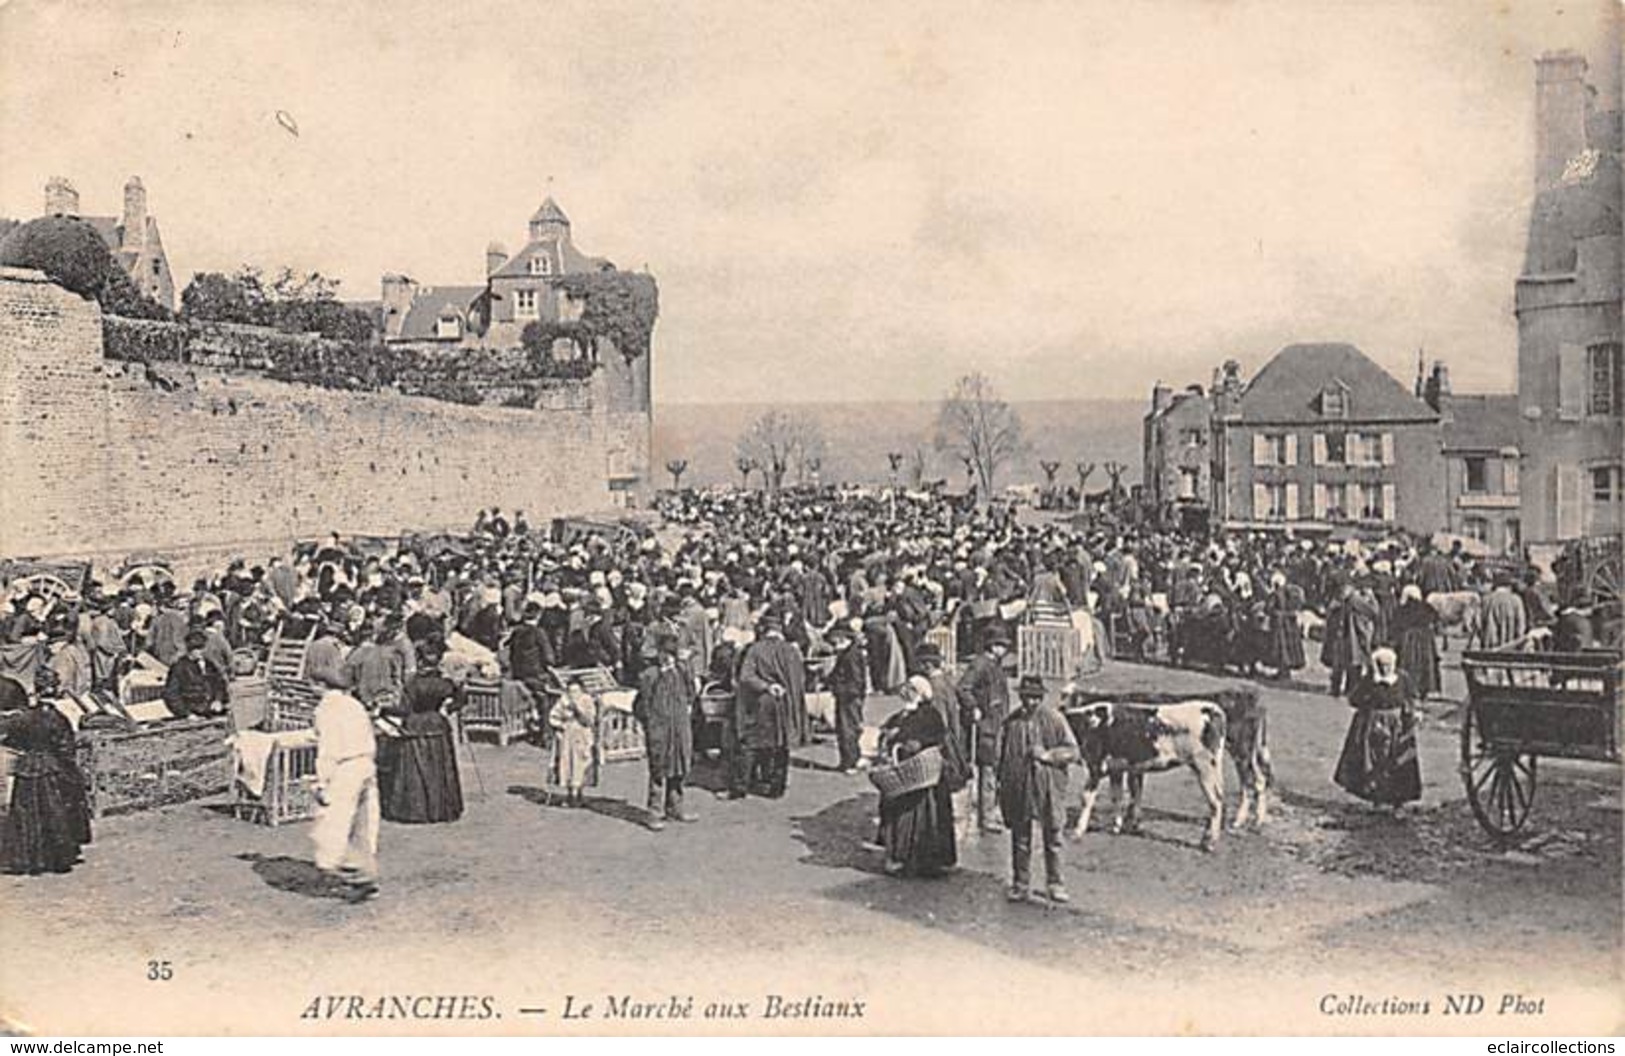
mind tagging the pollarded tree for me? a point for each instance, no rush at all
(979, 427)
(677, 467)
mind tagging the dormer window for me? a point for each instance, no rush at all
(448, 326)
(1334, 401)
(541, 264)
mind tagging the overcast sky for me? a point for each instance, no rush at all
(846, 200)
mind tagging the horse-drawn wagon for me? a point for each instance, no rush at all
(1525, 705)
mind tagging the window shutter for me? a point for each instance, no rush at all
(1322, 502)
(1291, 449)
(1387, 449)
(1292, 511)
(1388, 502)
(1571, 382)
(1320, 449)
(1509, 471)
(1261, 502)
(1261, 451)
(1568, 500)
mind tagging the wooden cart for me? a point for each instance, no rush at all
(1524, 705)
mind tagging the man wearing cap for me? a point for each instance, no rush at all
(848, 683)
(194, 686)
(770, 689)
(346, 830)
(1037, 747)
(665, 708)
(986, 694)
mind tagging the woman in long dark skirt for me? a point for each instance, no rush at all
(1379, 762)
(1416, 630)
(50, 815)
(1284, 652)
(917, 828)
(422, 785)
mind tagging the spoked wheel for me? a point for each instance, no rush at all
(1500, 782)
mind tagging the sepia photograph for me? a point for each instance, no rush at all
(693, 518)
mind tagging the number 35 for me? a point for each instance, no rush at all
(159, 971)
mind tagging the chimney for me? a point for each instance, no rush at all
(1161, 397)
(60, 197)
(1437, 391)
(496, 255)
(135, 214)
(1562, 100)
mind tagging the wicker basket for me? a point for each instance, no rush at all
(921, 770)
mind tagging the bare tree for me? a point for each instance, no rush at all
(677, 467)
(916, 468)
(1050, 469)
(980, 428)
(1115, 471)
(778, 442)
(1085, 470)
(746, 467)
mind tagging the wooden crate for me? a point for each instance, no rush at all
(290, 704)
(620, 735)
(171, 762)
(1048, 650)
(943, 639)
(484, 711)
(289, 793)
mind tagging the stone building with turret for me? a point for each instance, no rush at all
(466, 321)
(132, 237)
(1570, 389)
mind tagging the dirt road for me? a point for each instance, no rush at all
(525, 907)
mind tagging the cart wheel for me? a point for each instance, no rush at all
(1500, 783)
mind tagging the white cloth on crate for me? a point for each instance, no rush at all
(619, 699)
(251, 754)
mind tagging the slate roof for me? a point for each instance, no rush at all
(550, 211)
(1287, 390)
(431, 302)
(574, 261)
(1482, 422)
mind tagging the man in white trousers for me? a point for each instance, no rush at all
(346, 830)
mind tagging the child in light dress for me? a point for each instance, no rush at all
(574, 720)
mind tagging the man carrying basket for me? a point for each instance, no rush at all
(1037, 748)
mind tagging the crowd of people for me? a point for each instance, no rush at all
(742, 596)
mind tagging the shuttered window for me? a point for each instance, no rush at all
(1604, 368)
(1571, 382)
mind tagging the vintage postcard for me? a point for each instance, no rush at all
(811, 518)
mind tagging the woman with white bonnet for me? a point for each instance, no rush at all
(1379, 762)
(916, 828)
(1415, 631)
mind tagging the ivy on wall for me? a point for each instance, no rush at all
(619, 305)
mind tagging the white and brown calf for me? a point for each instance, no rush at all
(1135, 738)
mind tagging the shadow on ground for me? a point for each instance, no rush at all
(970, 902)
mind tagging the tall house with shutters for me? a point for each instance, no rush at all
(1571, 397)
(1323, 439)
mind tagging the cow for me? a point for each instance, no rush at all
(1246, 741)
(1462, 609)
(1118, 737)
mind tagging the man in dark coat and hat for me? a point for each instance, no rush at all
(665, 708)
(771, 688)
(985, 701)
(848, 683)
(1035, 750)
